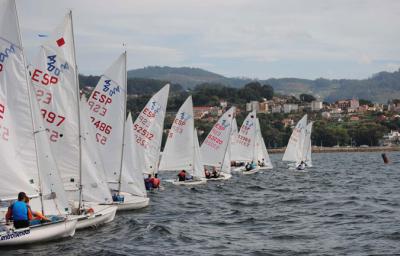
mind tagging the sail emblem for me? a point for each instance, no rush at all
(184, 116)
(60, 42)
(155, 107)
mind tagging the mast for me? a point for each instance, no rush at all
(34, 132)
(79, 116)
(123, 132)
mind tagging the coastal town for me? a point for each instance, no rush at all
(346, 111)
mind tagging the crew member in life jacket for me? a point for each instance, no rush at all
(301, 166)
(250, 166)
(182, 175)
(34, 215)
(148, 182)
(207, 174)
(156, 181)
(214, 173)
(18, 212)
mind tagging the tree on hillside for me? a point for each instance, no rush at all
(365, 102)
(256, 91)
(306, 97)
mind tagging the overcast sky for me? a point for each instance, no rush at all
(251, 38)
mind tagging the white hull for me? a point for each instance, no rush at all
(102, 214)
(265, 168)
(132, 202)
(39, 233)
(223, 176)
(237, 169)
(189, 182)
(257, 169)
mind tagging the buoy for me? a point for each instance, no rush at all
(385, 159)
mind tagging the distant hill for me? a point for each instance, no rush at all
(380, 87)
(185, 76)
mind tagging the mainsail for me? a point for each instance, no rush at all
(54, 76)
(25, 155)
(244, 146)
(215, 150)
(107, 113)
(179, 151)
(148, 130)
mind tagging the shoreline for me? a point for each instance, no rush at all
(316, 149)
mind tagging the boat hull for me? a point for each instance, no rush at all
(102, 214)
(189, 183)
(132, 202)
(39, 233)
(255, 170)
(224, 176)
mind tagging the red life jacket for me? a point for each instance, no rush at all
(182, 174)
(156, 182)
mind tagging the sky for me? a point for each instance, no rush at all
(236, 38)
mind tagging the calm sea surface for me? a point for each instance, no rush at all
(348, 204)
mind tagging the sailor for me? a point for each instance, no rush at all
(148, 182)
(301, 166)
(207, 174)
(18, 212)
(156, 181)
(182, 175)
(214, 173)
(34, 215)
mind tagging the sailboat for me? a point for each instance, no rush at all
(96, 195)
(107, 111)
(131, 185)
(215, 150)
(148, 129)
(244, 150)
(262, 156)
(181, 151)
(55, 78)
(27, 162)
(296, 150)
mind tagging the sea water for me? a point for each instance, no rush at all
(347, 204)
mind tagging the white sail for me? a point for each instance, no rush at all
(26, 159)
(198, 162)
(307, 145)
(261, 149)
(54, 76)
(215, 146)
(244, 146)
(94, 185)
(131, 177)
(179, 150)
(107, 105)
(294, 149)
(148, 130)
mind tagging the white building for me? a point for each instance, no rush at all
(287, 108)
(253, 105)
(316, 105)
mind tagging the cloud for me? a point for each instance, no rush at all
(225, 33)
